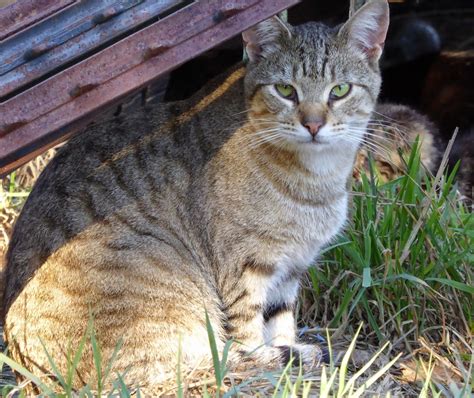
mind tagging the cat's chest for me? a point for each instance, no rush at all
(302, 231)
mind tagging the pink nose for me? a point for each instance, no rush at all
(313, 127)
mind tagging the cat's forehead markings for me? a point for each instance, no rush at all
(182, 118)
(296, 71)
(305, 71)
(325, 62)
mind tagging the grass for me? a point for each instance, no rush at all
(404, 267)
(402, 270)
(61, 384)
(409, 250)
(334, 381)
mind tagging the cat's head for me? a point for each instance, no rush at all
(312, 87)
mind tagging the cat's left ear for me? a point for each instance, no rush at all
(265, 38)
(367, 28)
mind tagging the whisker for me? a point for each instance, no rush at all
(240, 113)
(384, 156)
(387, 127)
(380, 145)
(250, 140)
(391, 139)
(382, 132)
(373, 133)
(387, 123)
(258, 123)
(263, 139)
(266, 140)
(258, 134)
(390, 120)
(374, 136)
(266, 130)
(373, 146)
(385, 116)
(258, 137)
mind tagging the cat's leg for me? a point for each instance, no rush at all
(244, 303)
(145, 301)
(280, 324)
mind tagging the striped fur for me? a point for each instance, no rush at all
(150, 219)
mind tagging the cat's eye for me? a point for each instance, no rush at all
(286, 91)
(339, 91)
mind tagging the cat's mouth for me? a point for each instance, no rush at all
(313, 141)
(318, 141)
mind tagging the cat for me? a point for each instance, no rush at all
(215, 205)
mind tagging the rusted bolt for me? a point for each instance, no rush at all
(227, 11)
(155, 50)
(105, 15)
(219, 16)
(36, 51)
(81, 89)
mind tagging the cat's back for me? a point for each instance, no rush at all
(119, 169)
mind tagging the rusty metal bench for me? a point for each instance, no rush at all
(63, 62)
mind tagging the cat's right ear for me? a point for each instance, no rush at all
(367, 28)
(265, 38)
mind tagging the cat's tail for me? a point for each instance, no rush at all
(394, 127)
(405, 125)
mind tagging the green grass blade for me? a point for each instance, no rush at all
(72, 367)
(97, 356)
(179, 380)
(55, 369)
(345, 362)
(122, 387)
(361, 371)
(27, 374)
(454, 284)
(327, 386)
(366, 277)
(225, 355)
(214, 352)
(112, 359)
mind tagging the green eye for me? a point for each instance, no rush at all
(286, 91)
(340, 91)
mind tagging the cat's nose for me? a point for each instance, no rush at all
(313, 127)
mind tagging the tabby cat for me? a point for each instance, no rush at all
(216, 204)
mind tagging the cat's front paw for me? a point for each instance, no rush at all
(277, 357)
(310, 356)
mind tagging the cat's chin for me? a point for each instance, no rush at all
(327, 156)
(323, 144)
(316, 146)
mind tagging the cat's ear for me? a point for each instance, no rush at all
(367, 28)
(265, 37)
